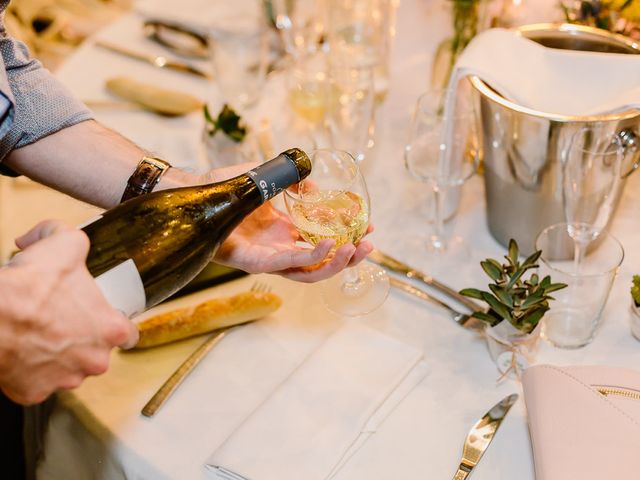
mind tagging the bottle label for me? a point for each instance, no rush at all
(274, 176)
(123, 288)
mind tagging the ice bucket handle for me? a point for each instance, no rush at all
(629, 141)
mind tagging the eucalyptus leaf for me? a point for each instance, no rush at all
(498, 307)
(502, 295)
(492, 268)
(472, 292)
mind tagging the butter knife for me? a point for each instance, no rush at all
(460, 318)
(172, 383)
(397, 266)
(155, 60)
(481, 434)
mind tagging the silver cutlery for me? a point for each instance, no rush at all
(174, 381)
(158, 61)
(179, 38)
(397, 266)
(481, 434)
(460, 318)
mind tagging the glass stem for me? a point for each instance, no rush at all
(579, 249)
(437, 238)
(350, 276)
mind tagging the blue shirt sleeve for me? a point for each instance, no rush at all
(38, 104)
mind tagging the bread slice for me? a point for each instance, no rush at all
(205, 317)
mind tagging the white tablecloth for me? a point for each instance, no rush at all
(97, 430)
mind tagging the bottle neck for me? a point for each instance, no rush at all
(273, 177)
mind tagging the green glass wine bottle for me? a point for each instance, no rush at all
(147, 248)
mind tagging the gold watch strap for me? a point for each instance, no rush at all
(145, 177)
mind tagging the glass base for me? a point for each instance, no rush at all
(357, 291)
(569, 328)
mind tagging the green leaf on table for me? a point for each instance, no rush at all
(492, 268)
(472, 292)
(227, 121)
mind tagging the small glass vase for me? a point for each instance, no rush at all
(512, 350)
(635, 319)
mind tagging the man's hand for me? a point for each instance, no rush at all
(265, 242)
(56, 327)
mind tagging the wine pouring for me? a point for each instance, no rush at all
(147, 248)
(333, 203)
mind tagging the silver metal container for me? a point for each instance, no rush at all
(522, 147)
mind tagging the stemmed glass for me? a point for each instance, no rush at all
(350, 106)
(592, 177)
(442, 151)
(301, 25)
(333, 202)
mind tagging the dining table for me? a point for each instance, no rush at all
(97, 430)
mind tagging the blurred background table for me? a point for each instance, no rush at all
(98, 431)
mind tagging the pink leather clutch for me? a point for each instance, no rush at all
(584, 421)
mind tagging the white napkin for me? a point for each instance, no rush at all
(315, 419)
(551, 80)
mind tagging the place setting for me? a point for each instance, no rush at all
(493, 331)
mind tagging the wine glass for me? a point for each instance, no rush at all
(333, 202)
(301, 25)
(442, 151)
(350, 106)
(239, 49)
(591, 181)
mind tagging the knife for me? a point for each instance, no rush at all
(460, 318)
(376, 256)
(155, 60)
(172, 383)
(481, 434)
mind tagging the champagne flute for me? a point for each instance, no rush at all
(442, 151)
(301, 25)
(591, 181)
(333, 202)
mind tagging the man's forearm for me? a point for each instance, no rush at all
(88, 162)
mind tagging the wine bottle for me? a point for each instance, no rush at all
(147, 248)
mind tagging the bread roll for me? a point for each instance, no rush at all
(205, 317)
(167, 102)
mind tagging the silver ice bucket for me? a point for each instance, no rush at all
(522, 147)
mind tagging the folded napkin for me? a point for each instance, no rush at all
(551, 80)
(315, 419)
(577, 431)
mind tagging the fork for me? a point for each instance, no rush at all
(174, 381)
(460, 318)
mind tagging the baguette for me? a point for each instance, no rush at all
(205, 317)
(166, 102)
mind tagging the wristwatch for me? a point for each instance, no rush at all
(146, 176)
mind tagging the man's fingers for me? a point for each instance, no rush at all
(299, 258)
(339, 261)
(364, 248)
(124, 333)
(42, 230)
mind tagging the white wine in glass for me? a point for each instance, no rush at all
(334, 204)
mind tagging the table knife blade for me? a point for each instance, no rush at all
(481, 435)
(158, 61)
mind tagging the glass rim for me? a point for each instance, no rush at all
(604, 233)
(335, 193)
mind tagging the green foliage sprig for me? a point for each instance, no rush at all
(522, 302)
(635, 290)
(227, 121)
